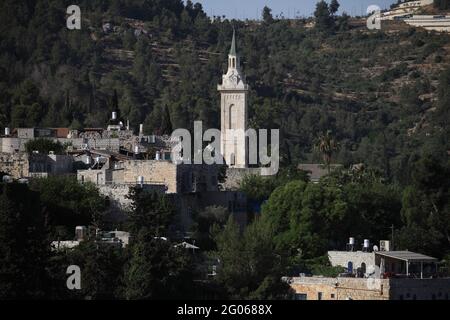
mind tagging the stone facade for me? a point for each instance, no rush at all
(119, 203)
(322, 288)
(12, 144)
(357, 259)
(22, 165)
(180, 178)
(16, 165)
(234, 177)
(152, 171)
(419, 289)
(233, 112)
(188, 204)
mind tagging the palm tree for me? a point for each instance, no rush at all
(327, 145)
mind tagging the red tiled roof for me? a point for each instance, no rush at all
(61, 132)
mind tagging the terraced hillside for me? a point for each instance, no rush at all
(382, 93)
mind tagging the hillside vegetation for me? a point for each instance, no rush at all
(383, 94)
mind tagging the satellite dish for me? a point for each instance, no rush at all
(375, 248)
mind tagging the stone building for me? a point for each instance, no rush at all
(430, 23)
(22, 165)
(15, 165)
(381, 274)
(323, 288)
(177, 178)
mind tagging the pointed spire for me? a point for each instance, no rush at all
(233, 44)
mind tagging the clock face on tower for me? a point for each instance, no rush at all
(234, 78)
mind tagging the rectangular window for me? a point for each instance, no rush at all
(319, 295)
(301, 296)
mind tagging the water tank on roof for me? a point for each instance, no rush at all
(351, 241)
(366, 243)
(140, 180)
(158, 155)
(7, 131)
(114, 115)
(81, 233)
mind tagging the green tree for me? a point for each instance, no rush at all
(334, 7)
(24, 246)
(442, 4)
(250, 266)
(327, 146)
(44, 146)
(101, 269)
(426, 207)
(70, 203)
(157, 270)
(206, 221)
(150, 210)
(267, 15)
(324, 19)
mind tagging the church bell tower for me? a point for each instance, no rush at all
(233, 112)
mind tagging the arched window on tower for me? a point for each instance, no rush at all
(232, 118)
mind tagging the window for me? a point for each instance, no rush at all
(301, 296)
(319, 295)
(332, 296)
(350, 267)
(232, 117)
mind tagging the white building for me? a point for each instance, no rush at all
(405, 8)
(435, 23)
(234, 91)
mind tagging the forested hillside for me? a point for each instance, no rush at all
(385, 95)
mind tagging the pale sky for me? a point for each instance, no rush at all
(251, 9)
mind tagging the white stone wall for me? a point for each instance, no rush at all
(341, 258)
(12, 144)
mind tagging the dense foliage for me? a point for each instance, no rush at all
(382, 94)
(44, 146)
(338, 95)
